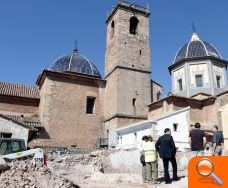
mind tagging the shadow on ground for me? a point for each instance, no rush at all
(162, 179)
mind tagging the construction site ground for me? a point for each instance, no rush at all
(179, 184)
(98, 169)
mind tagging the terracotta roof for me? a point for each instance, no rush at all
(201, 94)
(222, 93)
(30, 122)
(19, 90)
(189, 98)
(171, 95)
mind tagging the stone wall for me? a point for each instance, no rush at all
(111, 95)
(209, 114)
(123, 48)
(127, 66)
(155, 89)
(205, 111)
(13, 105)
(156, 112)
(224, 120)
(137, 87)
(221, 101)
(63, 112)
(161, 109)
(206, 116)
(127, 71)
(120, 93)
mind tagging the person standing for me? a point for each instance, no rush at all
(217, 141)
(197, 139)
(167, 151)
(151, 160)
(142, 159)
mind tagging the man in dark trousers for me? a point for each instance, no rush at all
(197, 139)
(167, 151)
(217, 141)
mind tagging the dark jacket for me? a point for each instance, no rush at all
(166, 146)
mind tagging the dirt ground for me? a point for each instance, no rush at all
(183, 183)
(106, 169)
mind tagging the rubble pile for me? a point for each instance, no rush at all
(25, 174)
(94, 158)
(93, 167)
(77, 167)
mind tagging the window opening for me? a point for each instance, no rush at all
(133, 101)
(133, 25)
(175, 125)
(112, 28)
(218, 80)
(199, 80)
(90, 105)
(180, 84)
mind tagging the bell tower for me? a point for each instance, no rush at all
(127, 66)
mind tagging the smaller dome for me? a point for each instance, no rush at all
(74, 63)
(196, 48)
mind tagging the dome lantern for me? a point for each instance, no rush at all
(194, 37)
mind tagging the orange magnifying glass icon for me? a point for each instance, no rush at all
(206, 168)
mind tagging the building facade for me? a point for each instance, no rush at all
(73, 105)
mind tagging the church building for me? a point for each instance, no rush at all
(73, 105)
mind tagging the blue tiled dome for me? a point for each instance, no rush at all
(74, 63)
(196, 48)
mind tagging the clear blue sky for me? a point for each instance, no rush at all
(33, 33)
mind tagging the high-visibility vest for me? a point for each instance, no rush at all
(149, 152)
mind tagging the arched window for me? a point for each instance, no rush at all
(133, 25)
(112, 28)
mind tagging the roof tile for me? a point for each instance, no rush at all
(32, 122)
(19, 90)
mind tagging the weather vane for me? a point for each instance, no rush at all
(193, 27)
(147, 5)
(76, 45)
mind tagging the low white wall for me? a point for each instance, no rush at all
(132, 139)
(7, 126)
(180, 136)
(122, 161)
(125, 161)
